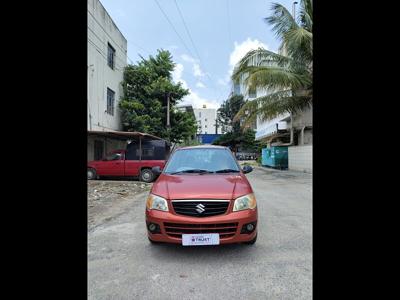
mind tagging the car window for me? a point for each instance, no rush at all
(208, 159)
(113, 156)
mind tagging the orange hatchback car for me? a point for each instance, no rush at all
(202, 197)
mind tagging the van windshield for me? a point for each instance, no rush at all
(204, 160)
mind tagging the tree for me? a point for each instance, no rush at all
(226, 113)
(183, 126)
(233, 140)
(229, 108)
(144, 105)
(288, 76)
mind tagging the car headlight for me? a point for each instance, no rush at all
(245, 202)
(156, 202)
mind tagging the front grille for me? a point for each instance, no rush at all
(225, 230)
(200, 208)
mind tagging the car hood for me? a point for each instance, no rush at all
(204, 186)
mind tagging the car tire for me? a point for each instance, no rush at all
(252, 242)
(146, 175)
(91, 173)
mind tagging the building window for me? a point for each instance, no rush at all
(205, 132)
(110, 101)
(236, 89)
(98, 150)
(252, 93)
(205, 120)
(110, 56)
(205, 126)
(199, 114)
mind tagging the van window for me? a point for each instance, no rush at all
(114, 156)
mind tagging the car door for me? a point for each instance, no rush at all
(113, 165)
(132, 160)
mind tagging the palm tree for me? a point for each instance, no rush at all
(286, 76)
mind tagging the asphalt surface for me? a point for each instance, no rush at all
(122, 264)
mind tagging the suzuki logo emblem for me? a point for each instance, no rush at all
(200, 208)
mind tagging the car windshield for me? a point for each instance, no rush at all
(203, 160)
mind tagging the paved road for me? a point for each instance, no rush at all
(122, 264)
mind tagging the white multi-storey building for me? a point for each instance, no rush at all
(206, 120)
(264, 129)
(107, 54)
(285, 129)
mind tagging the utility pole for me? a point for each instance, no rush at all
(168, 125)
(294, 10)
(168, 100)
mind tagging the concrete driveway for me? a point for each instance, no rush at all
(122, 264)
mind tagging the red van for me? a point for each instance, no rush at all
(115, 164)
(202, 197)
(136, 161)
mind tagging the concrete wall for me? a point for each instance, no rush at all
(109, 145)
(101, 31)
(303, 118)
(308, 137)
(300, 158)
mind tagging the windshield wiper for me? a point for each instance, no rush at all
(200, 171)
(227, 171)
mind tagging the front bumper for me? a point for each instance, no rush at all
(215, 224)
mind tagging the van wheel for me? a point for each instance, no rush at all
(91, 174)
(252, 242)
(146, 175)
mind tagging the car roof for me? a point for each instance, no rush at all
(202, 147)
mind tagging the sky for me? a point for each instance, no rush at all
(221, 32)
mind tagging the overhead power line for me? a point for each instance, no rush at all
(187, 30)
(135, 44)
(119, 68)
(229, 22)
(195, 48)
(105, 31)
(214, 88)
(173, 27)
(102, 42)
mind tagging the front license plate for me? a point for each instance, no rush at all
(200, 239)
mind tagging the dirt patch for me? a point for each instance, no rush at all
(108, 199)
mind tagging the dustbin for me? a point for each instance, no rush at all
(275, 157)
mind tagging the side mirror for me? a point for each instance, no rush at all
(156, 170)
(247, 169)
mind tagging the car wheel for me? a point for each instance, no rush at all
(146, 175)
(252, 242)
(91, 174)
